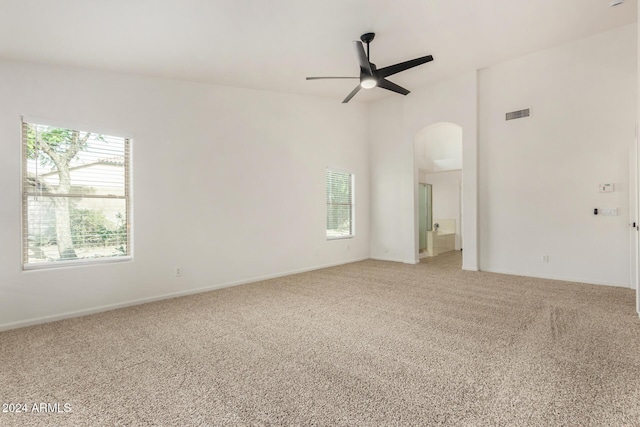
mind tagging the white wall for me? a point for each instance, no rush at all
(445, 187)
(394, 122)
(438, 148)
(390, 163)
(538, 176)
(637, 150)
(228, 184)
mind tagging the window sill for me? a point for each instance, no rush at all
(340, 237)
(75, 263)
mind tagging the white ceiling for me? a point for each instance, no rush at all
(275, 44)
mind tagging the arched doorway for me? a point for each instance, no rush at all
(438, 185)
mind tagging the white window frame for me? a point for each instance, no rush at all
(128, 256)
(351, 205)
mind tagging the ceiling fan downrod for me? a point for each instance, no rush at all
(368, 38)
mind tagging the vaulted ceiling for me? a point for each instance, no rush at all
(275, 44)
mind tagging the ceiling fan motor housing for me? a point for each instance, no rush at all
(367, 38)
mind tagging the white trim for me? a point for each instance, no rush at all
(558, 278)
(23, 172)
(401, 261)
(353, 203)
(387, 259)
(108, 307)
(75, 263)
(30, 266)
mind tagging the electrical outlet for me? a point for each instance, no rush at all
(606, 188)
(178, 271)
(545, 258)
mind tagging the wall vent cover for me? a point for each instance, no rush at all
(520, 114)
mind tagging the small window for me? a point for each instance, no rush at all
(339, 204)
(76, 203)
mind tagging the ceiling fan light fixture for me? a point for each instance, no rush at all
(368, 83)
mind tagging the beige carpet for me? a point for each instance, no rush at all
(370, 343)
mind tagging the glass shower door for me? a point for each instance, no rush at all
(425, 213)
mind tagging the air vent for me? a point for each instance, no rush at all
(519, 114)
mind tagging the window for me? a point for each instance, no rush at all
(76, 204)
(339, 204)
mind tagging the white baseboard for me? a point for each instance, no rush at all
(559, 278)
(108, 307)
(389, 259)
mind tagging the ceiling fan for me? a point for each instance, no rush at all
(370, 76)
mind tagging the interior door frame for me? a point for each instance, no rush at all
(634, 204)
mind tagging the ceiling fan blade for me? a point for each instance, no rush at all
(393, 69)
(386, 84)
(322, 78)
(365, 66)
(351, 95)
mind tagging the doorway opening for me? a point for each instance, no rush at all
(438, 162)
